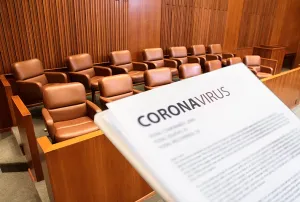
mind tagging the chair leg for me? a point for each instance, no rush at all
(93, 96)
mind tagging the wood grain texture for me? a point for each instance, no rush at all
(242, 52)
(28, 139)
(89, 168)
(297, 59)
(6, 108)
(276, 53)
(189, 22)
(286, 86)
(52, 30)
(144, 26)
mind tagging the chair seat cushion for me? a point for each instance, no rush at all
(263, 75)
(136, 76)
(65, 130)
(94, 82)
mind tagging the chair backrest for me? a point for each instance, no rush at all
(154, 55)
(30, 70)
(116, 85)
(157, 77)
(212, 65)
(252, 60)
(122, 59)
(65, 101)
(198, 50)
(215, 49)
(81, 63)
(189, 70)
(235, 60)
(178, 52)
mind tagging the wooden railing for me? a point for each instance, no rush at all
(89, 168)
(27, 135)
(286, 86)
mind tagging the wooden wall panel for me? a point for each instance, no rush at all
(52, 30)
(144, 26)
(290, 31)
(189, 22)
(257, 22)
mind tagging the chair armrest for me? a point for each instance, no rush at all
(269, 62)
(92, 109)
(227, 55)
(266, 69)
(49, 122)
(135, 91)
(151, 65)
(178, 61)
(102, 71)
(81, 78)
(140, 66)
(56, 77)
(118, 70)
(211, 57)
(170, 63)
(193, 59)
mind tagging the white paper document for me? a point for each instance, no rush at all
(220, 136)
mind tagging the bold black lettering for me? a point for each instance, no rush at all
(184, 106)
(150, 119)
(222, 96)
(193, 103)
(140, 121)
(225, 91)
(210, 95)
(163, 113)
(173, 106)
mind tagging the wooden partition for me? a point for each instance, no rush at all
(286, 86)
(28, 139)
(6, 116)
(89, 168)
(271, 52)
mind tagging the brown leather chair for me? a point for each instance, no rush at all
(157, 77)
(31, 78)
(199, 51)
(213, 65)
(189, 70)
(180, 55)
(122, 64)
(254, 63)
(116, 87)
(83, 70)
(154, 58)
(234, 60)
(216, 49)
(67, 113)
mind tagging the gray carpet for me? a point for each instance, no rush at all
(17, 187)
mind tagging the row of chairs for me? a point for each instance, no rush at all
(31, 77)
(68, 114)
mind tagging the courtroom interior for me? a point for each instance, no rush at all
(62, 61)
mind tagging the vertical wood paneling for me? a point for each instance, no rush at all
(53, 29)
(193, 22)
(257, 22)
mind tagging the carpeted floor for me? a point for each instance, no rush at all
(17, 186)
